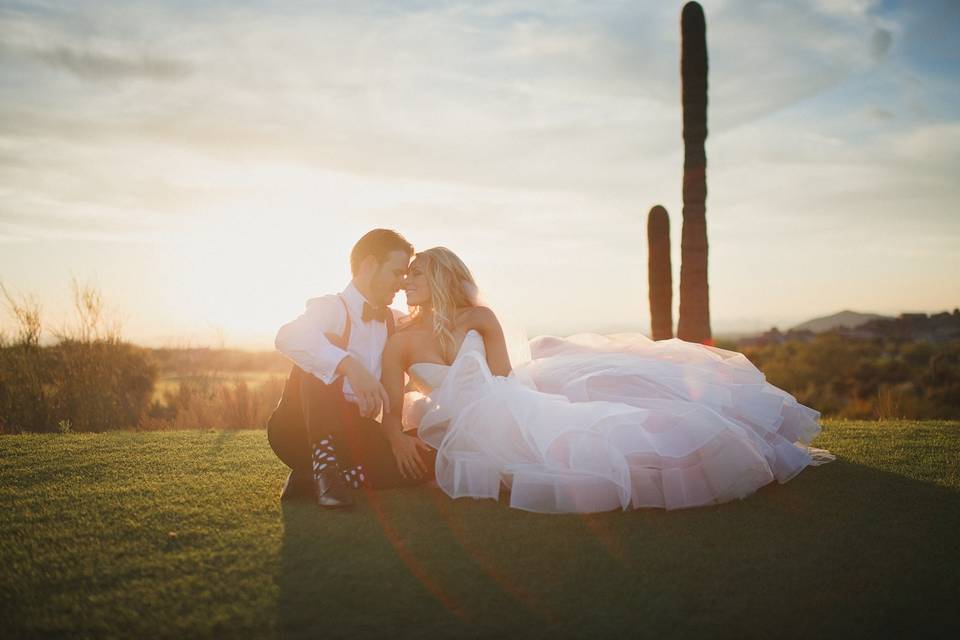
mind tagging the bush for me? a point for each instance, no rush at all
(92, 386)
(866, 378)
(89, 380)
(203, 401)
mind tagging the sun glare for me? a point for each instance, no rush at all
(283, 236)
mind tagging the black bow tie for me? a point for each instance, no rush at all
(374, 313)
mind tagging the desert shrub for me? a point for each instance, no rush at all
(25, 380)
(101, 385)
(203, 401)
(866, 378)
(88, 379)
(93, 386)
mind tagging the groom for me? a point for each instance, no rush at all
(325, 426)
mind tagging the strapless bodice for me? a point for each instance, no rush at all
(427, 376)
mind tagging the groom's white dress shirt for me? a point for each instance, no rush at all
(304, 342)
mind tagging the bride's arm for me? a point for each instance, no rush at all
(405, 449)
(485, 322)
(392, 378)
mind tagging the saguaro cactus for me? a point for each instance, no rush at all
(659, 274)
(694, 321)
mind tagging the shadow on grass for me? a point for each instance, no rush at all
(841, 550)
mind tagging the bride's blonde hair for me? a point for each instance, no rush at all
(451, 287)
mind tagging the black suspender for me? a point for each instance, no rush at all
(343, 340)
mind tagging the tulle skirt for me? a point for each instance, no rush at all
(593, 423)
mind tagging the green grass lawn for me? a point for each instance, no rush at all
(180, 534)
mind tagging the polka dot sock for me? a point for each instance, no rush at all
(323, 456)
(355, 477)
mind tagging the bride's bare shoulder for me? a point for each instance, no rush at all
(478, 317)
(483, 319)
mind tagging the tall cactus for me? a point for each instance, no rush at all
(659, 274)
(694, 321)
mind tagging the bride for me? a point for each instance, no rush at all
(589, 423)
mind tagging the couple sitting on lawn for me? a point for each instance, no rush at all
(584, 424)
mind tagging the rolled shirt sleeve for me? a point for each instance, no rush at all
(303, 340)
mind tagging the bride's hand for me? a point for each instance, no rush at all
(406, 451)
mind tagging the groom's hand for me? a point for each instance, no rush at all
(406, 451)
(371, 396)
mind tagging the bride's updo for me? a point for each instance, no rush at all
(451, 287)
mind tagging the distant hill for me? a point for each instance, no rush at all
(847, 319)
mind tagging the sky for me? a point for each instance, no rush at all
(208, 165)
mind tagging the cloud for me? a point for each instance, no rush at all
(92, 65)
(472, 93)
(880, 43)
(13, 239)
(571, 101)
(573, 105)
(92, 47)
(533, 140)
(13, 233)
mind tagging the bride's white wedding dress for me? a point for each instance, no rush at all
(594, 423)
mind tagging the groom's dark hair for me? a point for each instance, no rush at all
(378, 243)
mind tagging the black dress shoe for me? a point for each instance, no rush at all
(331, 492)
(298, 486)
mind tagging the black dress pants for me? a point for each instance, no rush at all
(357, 440)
